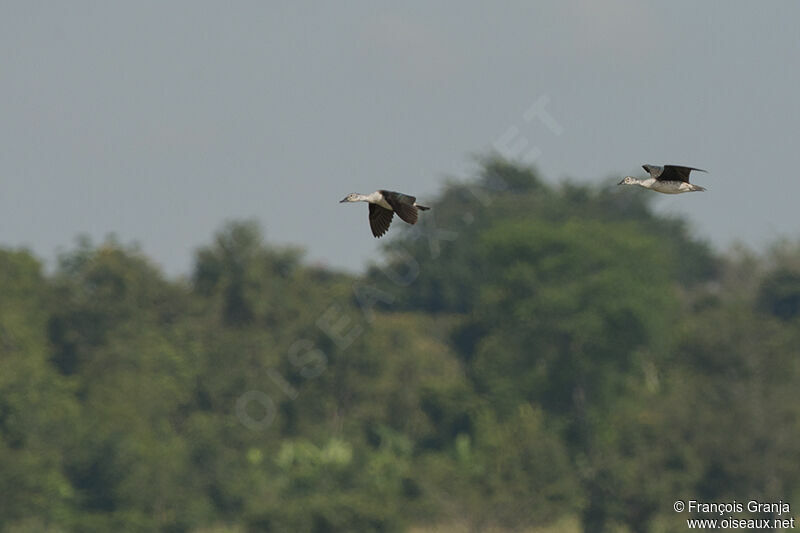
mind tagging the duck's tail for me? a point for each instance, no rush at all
(421, 207)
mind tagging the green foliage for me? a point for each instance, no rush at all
(529, 357)
(514, 474)
(36, 405)
(565, 315)
(779, 293)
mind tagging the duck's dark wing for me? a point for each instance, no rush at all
(402, 204)
(676, 173)
(379, 219)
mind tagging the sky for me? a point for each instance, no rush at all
(160, 121)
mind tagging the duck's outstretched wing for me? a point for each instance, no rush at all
(676, 173)
(402, 204)
(379, 219)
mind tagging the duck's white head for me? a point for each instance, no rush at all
(628, 180)
(352, 197)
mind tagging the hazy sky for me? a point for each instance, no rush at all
(158, 121)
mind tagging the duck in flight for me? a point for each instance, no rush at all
(669, 179)
(382, 207)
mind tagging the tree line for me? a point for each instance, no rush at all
(529, 357)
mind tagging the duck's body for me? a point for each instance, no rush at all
(383, 205)
(669, 179)
(669, 187)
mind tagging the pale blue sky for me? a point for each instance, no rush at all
(158, 121)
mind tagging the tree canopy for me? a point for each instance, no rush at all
(529, 357)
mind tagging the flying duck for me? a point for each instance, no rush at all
(382, 207)
(669, 179)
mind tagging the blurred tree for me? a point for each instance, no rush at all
(529, 356)
(741, 370)
(567, 309)
(779, 293)
(513, 474)
(119, 331)
(36, 406)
